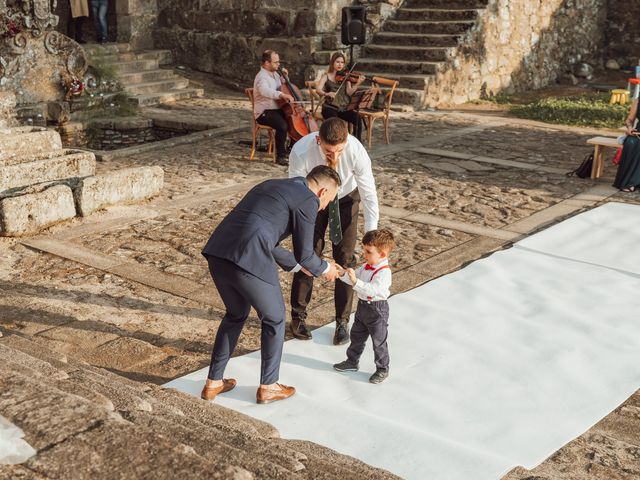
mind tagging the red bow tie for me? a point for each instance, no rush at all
(368, 267)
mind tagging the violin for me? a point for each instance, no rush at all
(351, 77)
(300, 121)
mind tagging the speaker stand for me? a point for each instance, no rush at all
(351, 56)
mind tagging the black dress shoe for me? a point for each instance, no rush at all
(379, 376)
(299, 329)
(282, 161)
(341, 335)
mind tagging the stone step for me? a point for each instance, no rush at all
(167, 97)
(136, 65)
(164, 57)
(146, 76)
(425, 54)
(436, 14)
(394, 68)
(176, 83)
(26, 142)
(93, 49)
(408, 99)
(70, 165)
(415, 82)
(417, 39)
(406, 26)
(448, 4)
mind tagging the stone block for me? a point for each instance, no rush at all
(124, 186)
(27, 141)
(28, 214)
(71, 164)
(7, 109)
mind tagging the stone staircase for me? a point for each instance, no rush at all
(42, 183)
(419, 41)
(87, 423)
(141, 75)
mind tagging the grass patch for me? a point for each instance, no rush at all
(585, 111)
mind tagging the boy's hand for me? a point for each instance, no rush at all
(352, 275)
(340, 270)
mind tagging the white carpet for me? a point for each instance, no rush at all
(493, 366)
(13, 449)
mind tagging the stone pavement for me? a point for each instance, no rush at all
(127, 289)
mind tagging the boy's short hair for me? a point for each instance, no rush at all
(334, 131)
(382, 239)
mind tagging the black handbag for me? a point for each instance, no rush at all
(584, 170)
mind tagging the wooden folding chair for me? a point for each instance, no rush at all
(370, 116)
(257, 128)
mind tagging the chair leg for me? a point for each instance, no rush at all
(386, 129)
(272, 145)
(370, 130)
(595, 167)
(253, 145)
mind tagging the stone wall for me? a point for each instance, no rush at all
(226, 37)
(622, 33)
(7, 109)
(518, 45)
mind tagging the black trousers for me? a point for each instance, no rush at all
(371, 320)
(74, 27)
(240, 291)
(276, 120)
(349, 116)
(302, 286)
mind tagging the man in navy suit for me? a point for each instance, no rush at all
(243, 253)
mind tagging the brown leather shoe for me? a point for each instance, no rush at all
(209, 393)
(299, 329)
(264, 395)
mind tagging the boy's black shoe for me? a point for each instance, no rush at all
(282, 161)
(341, 335)
(346, 366)
(379, 376)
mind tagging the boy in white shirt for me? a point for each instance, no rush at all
(371, 282)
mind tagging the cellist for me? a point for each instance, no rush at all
(266, 90)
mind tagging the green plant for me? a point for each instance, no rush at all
(587, 110)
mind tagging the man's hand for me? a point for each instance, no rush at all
(352, 276)
(340, 270)
(286, 97)
(332, 274)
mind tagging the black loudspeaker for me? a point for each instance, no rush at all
(353, 25)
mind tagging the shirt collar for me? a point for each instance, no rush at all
(381, 263)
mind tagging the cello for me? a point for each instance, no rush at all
(300, 121)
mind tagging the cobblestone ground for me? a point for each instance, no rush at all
(477, 176)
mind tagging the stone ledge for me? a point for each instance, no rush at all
(27, 141)
(28, 214)
(75, 165)
(124, 186)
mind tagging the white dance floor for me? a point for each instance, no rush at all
(494, 366)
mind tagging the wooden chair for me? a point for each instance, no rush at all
(316, 101)
(257, 128)
(370, 116)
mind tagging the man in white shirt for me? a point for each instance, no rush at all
(333, 146)
(266, 90)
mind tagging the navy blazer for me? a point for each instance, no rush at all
(250, 234)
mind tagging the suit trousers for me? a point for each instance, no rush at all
(240, 291)
(371, 319)
(276, 120)
(302, 286)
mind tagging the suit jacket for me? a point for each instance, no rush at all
(250, 234)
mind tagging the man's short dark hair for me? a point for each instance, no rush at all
(334, 131)
(266, 55)
(324, 176)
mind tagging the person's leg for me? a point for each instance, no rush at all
(79, 24)
(302, 285)
(328, 112)
(358, 336)
(227, 278)
(102, 17)
(378, 329)
(343, 255)
(352, 117)
(95, 8)
(275, 119)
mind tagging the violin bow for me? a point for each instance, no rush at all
(346, 77)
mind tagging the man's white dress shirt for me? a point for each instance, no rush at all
(266, 90)
(354, 168)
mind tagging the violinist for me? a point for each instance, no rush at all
(266, 90)
(337, 94)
